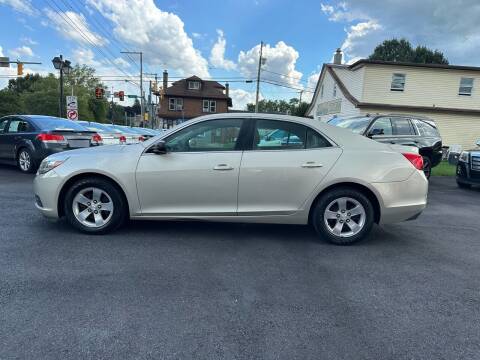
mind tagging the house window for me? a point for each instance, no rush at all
(321, 92)
(334, 90)
(194, 85)
(466, 86)
(175, 104)
(209, 106)
(398, 82)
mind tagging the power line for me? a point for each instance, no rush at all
(285, 86)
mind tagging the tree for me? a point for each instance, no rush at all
(402, 51)
(10, 103)
(291, 107)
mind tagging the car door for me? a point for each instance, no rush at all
(18, 133)
(3, 138)
(404, 131)
(383, 129)
(278, 179)
(199, 173)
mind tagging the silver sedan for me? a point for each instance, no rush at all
(226, 167)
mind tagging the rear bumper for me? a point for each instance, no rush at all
(403, 200)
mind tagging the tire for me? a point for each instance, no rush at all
(463, 185)
(427, 166)
(326, 224)
(25, 161)
(95, 206)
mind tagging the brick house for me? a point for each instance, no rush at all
(191, 97)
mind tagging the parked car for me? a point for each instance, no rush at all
(25, 140)
(339, 182)
(109, 136)
(409, 130)
(131, 137)
(146, 133)
(468, 167)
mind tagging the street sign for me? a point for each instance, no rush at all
(72, 103)
(72, 114)
(116, 94)
(4, 62)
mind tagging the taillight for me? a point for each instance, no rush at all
(141, 138)
(97, 139)
(123, 139)
(415, 159)
(51, 138)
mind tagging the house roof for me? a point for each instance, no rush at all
(209, 89)
(358, 64)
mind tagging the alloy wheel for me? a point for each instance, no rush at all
(344, 217)
(24, 160)
(93, 207)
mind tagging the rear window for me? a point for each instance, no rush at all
(53, 123)
(357, 125)
(426, 129)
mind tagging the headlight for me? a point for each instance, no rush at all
(463, 156)
(48, 165)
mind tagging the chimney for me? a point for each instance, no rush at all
(227, 89)
(337, 58)
(165, 80)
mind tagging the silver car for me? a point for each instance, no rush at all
(218, 168)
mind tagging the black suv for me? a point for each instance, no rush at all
(408, 130)
(468, 167)
(25, 140)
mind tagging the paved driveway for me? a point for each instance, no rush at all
(231, 291)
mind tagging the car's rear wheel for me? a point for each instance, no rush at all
(25, 161)
(95, 206)
(343, 216)
(427, 167)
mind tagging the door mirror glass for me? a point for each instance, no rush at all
(159, 148)
(478, 142)
(375, 132)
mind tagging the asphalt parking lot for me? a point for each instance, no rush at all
(182, 290)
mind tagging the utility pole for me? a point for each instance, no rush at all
(151, 105)
(301, 93)
(64, 67)
(142, 108)
(258, 76)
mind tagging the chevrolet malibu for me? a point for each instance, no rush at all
(219, 168)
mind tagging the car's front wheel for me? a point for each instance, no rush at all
(343, 216)
(95, 206)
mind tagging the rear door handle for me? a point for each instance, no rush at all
(223, 167)
(311, 164)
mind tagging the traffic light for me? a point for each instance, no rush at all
(99, 93)
(19, 69)
(121, 95)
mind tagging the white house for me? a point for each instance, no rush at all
(448, 94)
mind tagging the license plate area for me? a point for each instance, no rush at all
(79, 143)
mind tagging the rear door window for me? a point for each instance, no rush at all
(3, 125)
(403, 126)
(426, 129)
(19, 126)
(279, 135)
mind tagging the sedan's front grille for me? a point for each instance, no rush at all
(475, 162)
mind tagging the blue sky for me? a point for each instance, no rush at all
(220, 39)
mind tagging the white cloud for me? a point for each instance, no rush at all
(311, 84)
(85, 56)
(240, 98)
(217, 55)
(281, 59)
(159, 34)
(21, 51)
(23, 6)
(432, 23)
(197, 35)
(29, 41)
(74, 26)
(121, 62)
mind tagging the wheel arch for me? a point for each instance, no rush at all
(362, 188)
(75, 178)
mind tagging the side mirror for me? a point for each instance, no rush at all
(375, 132)
(159, 148)
(478, 142)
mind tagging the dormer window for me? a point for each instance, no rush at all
(194, 85)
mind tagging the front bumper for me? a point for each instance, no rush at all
(403, 200)
(45, 188)
(466, 175)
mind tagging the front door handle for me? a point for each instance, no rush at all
(311, 164)
(223, 167)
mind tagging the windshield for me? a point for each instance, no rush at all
(357, 125)
(49, 123)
